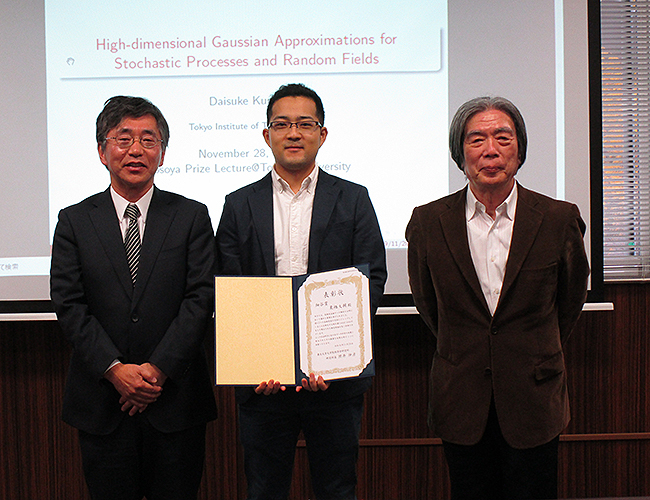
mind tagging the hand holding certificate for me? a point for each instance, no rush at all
(286, 328)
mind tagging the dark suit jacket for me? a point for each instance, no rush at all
(515, 355)
(344, 232)
(162, 320)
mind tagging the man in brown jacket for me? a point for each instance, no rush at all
(499, 275)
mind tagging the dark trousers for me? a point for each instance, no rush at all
(493, 470)
(137, 460)
(269, 429)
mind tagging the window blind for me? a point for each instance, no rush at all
(625, 58)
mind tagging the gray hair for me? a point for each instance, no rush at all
(477, 105)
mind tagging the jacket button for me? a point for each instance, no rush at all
(488, 372)
(135, 318)
(494, 331)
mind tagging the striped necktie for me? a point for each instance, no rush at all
(132, 243)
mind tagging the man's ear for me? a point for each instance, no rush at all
(267, 138)
(323, 135)
(102, 155)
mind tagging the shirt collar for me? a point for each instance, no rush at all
(308, 184)
(473, 207)
(121, 203)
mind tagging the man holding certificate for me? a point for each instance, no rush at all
(297, 220)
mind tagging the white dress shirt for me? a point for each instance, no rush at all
(489, 242)
(120, 207)
(292, 223)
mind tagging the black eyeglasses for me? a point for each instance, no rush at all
(302, 126)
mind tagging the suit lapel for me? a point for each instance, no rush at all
(454, 229)
(527, 223)
(159, 217)
(324, 201)
(261, 207)
(107, 226)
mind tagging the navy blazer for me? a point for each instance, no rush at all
(162, 320)
(514, 356)
(344, 232)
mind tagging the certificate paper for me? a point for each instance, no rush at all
(284, 328)
(334, 324)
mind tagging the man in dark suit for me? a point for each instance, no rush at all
(499, 275)
(298, 219)
(133, 295)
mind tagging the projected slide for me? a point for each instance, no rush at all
(211, 67)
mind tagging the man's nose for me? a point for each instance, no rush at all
(136, 148)
(294, 131)
(491, 144)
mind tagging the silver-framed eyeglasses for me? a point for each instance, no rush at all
(126, 141)
(301, 126)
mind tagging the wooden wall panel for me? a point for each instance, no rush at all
(396, 406)
(604, 451)
(39, 455)
(608, 468)
(608, 362)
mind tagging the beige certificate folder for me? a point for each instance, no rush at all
(254, 330)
